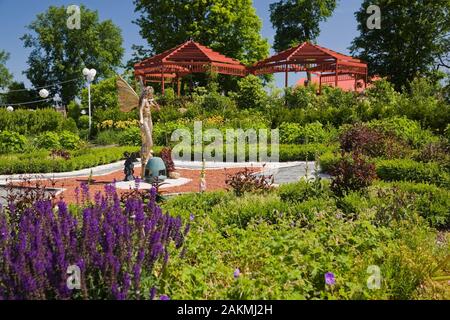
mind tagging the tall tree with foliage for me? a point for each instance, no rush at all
(413, 39)
(230, 27)
(59, 53)
(296, 21)
(5, 75)
(18, 94)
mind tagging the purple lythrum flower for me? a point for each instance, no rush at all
(330, 279)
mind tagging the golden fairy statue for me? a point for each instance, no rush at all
(128, 100)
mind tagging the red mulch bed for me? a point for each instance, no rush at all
(215, 180)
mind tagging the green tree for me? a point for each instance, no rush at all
(230, 27)
(251, 93)
(296, 21)
(17, 94)
(413, 39)
(5, 76)
(59, 53)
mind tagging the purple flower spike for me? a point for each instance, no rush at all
(330, 279)
(152, 293)
(191, 217)
(237, 273)
(164, 297)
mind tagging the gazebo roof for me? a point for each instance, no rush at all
(189, 57)
(309, 57)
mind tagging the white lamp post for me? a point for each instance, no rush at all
(44, 93)
(90, 76)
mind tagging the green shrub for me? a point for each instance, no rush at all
(306, 152)
(283, 251)
(29, 122)
(216, 102)
(69, 140)
(406, 129)
(300, 97)
(397, 170)
(409, 170)
(304, 190)
(327, 160)
(424, 104)
(290, 133)
(70, 125)
(447, 133)
(251, 93)
(432, 202)
(48, 140)
(108, 137)
(130, 137)
(438, 152)
(52, 140)
(42, 162)
(83, 122)
(269, 208)
(12, 142)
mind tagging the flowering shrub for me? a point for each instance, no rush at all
(121, 124)
(115, 244)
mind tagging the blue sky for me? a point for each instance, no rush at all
(337, 33)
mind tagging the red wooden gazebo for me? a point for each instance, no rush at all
(189, 57)
(328, 65)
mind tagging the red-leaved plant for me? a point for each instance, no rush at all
(166, 156)
(352, 173)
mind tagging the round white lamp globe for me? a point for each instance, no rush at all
(91, 75)
(86, 72)
(10, 109)
(44, 93)
(83, 112)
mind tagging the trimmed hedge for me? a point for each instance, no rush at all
(41, 162)
(399, 170)
(304, 152)
(290, 152)
(409, 170)
(328, 160)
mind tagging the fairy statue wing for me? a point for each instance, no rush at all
(128, 98)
